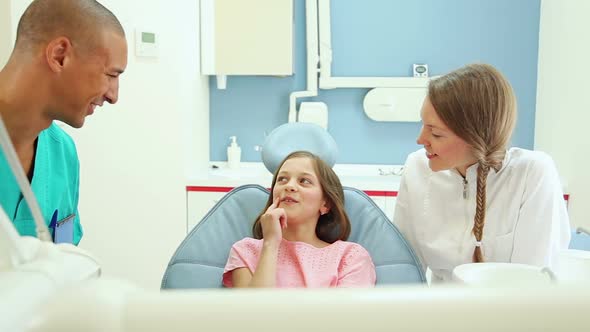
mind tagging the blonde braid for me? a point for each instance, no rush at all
(477, 103)
(480, 211)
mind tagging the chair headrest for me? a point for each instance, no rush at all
(298, 136)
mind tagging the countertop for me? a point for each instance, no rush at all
(363, 177)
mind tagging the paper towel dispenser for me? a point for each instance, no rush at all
(394, 104)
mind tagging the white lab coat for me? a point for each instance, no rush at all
(526, 218)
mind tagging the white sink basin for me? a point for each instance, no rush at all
(501, 274)
(574, 265)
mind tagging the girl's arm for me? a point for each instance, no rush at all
(265, 275)
(266, 271)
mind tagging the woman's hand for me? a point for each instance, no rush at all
(272, 222)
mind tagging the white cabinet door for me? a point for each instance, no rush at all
(380, 201)
(386, 204)
(198, 203)
(247, 37)
(390, 207)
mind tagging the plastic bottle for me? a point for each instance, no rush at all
(234, 154)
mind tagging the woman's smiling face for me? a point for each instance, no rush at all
(444, 149)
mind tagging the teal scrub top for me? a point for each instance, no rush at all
(55, 183)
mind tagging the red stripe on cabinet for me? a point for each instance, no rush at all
(384, 193)
(228, 189)
(209, 189)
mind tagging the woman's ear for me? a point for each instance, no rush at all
(325, 208)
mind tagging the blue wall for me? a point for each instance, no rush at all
(384, 38)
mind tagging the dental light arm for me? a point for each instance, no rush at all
(23, 183)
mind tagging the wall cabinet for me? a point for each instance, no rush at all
(246, 37)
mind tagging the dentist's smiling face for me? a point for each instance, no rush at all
(444, 149)
(299, 190)
(89, 78)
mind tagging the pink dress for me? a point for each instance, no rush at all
(341, 264)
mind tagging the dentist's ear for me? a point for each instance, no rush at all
(57, 53)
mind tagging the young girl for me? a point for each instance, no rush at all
(299, 237)
(466, 197)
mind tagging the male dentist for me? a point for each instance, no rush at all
(67, 60)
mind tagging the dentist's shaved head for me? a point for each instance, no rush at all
(81, 21)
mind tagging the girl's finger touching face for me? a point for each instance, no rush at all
(274, 204)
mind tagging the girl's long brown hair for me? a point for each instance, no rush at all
(331, 226)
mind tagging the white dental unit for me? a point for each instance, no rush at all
(57, 287)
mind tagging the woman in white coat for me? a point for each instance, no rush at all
(466, 197)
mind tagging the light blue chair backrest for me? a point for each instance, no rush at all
(394, 260)
(580, 240)
(201, 257)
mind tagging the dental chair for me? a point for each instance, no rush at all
(580, 239)
(199, 260)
